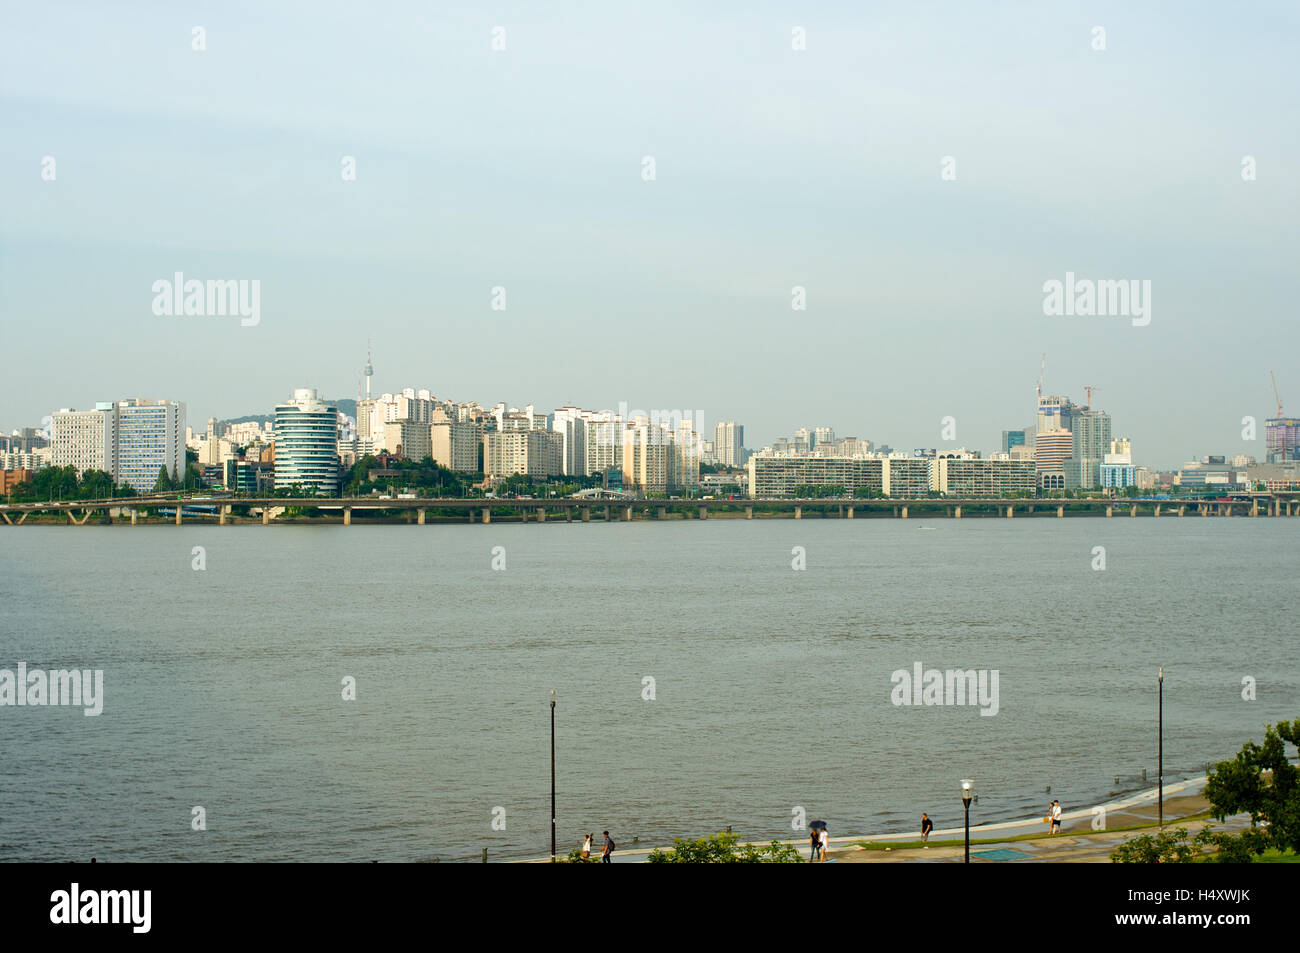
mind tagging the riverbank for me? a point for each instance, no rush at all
(1025, 839)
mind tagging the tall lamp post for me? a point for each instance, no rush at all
(1160, 747)
(966, 787)
(552, 775)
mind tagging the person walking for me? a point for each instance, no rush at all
(825, 844)
(927, 825)
(816, 844)
(609, 849)
(586, 846)
(1056, 817)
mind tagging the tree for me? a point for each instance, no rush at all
(1166, 847)
(164, 481)
(724, 848)
(1273, 802)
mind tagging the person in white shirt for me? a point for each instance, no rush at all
(1056, 818)
(826, 842)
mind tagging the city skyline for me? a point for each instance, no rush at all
(986, 445)
(776, 168)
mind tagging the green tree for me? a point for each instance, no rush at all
(1166, 847)
(1263, 783)
(164, 481)
(724, 848)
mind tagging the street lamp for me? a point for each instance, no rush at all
(967, 786)
(552, 775)
(1160, 747)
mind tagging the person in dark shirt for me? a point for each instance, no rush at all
(927, 825)
(609, 849)
(815, 839)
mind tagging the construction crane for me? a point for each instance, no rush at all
(1276, 399)
(1042, 371)
(1088, 389)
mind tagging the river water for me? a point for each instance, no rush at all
(223, 687)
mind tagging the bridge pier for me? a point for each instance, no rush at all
(956, 512)
(1227, 509)
(1182, 509)
(419, 517)
(749, 513)
(266, 516)
(850, 514)
(541, 514)
(1011, 511)
(798, 512)
(661, 512)
(586, 514)
(178, 513)
(133, 516)
(487, 514)
(704, 512)
(1157, 509)
(1060, 510)
(1204, 508)
(347, 516)
(904, 513)
(1133, 510)
(222, 510)
(568, 514)
(607, 514)
(627, 514)
(1110, 510)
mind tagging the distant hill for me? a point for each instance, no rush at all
(346, 405)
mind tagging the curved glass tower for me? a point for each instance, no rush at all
(306, 443)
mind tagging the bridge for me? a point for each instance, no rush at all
(229, 509)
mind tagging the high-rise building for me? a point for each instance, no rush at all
(150, 438)
(409, 439)
(85, 439)
(1052, 448)
(729, 443)
(132, 440)
(646, 453)
(603, 440)
(569, 424)
(534, 453)
(1090, 443)
(1282, 439)
(306, 443)
(453, 444)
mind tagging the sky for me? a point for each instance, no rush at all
(774, 168)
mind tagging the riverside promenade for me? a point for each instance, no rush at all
(1078, 842)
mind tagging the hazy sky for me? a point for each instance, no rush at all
(775, 167)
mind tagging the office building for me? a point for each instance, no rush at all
(306, 443)
(729, 443)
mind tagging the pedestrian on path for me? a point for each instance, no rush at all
(586, 846)
(816, 844)
(927, 825)
(609, 849)
(825, 843)
(1056, 818)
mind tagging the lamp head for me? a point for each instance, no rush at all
(967, 790)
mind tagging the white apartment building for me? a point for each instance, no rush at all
(453, 444)
(568, 422)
